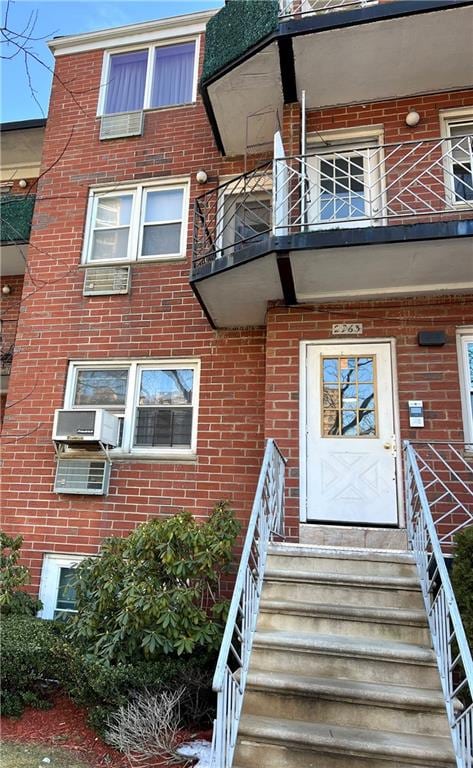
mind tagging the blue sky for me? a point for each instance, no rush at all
(59, 17)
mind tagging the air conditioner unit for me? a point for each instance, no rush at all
(121, 125)
(102, 281)
(79, 476)
(95, 425)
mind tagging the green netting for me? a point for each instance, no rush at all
(234, 29)
(16, 213)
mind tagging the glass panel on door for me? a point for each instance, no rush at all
(348, 397)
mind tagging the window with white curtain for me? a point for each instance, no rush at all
(152, 77)
(465, 350)
(146, 221)
(56, 591)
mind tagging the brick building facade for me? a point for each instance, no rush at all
(240, 341)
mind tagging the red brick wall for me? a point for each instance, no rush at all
(423, 373)
(160, 318)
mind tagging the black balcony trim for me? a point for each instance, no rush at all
(288, 69)
(286, 277)
(21, 125)
(334, 238)
(286, 30)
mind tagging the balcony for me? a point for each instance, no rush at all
(17, 214)
(260, 56)
(336, 224)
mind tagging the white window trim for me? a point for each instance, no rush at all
(343, 139)
(136, 222)
(465, 336)
(49, 584)
(131, 403)
(448, 116)
(150, 47)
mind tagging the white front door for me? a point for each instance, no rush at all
(349, 435)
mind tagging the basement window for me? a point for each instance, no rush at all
(56, 591)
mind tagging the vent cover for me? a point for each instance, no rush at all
(121, 125)
(79, 476)
(100, 281)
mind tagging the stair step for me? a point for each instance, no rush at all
(279, 743)
(346, 703)
(353, 536)
(408, 626)
(341, 560)
(342, 589)
(353, 658)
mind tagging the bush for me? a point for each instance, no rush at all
(12, 600)
(30, 656)
(157, 591)
(462, 578)
(104, 688)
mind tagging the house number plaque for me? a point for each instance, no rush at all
(347, 329)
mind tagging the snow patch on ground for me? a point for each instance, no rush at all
(200, 749)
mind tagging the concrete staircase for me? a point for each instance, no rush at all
(342, 674)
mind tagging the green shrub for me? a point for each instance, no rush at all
(12, 600)
(462, 578)
(30, 657)
(157, 591)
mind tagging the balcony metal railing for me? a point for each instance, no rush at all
(439, 501)
(337, 187)
(266, 521)
(317, 7)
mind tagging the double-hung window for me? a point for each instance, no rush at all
(465, 351)
(148, 78)
(458, 153)
(155, 401)
(137, 223)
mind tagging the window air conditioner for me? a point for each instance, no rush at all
(85, 477)
(94, 425)
(121, 125)
(103, 281)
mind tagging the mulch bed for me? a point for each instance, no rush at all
(65, 725)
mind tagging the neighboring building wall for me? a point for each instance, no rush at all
(422, 373)
(9, 315)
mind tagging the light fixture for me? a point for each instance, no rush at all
(201, 177)
(412, 118)
(22, 183)
(6, 289)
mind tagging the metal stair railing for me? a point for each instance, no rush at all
(439, 495)
(266, 521)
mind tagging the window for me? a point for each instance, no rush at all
(465, 350)
(460, 154)
(246, 219)
(343, 179)
(155, 401)
(143, 222)
(158, 76)
(56, 593)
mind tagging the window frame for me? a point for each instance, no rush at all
(449, 118)
(335, 141)
(49, 581)
(129, 411)
(151, 48)
(139, 193)
(464, 338)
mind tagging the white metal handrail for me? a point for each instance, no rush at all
(266, 521)
(448, 635)
(317, 7)
(336, 187)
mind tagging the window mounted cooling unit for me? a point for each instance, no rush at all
(82, 476)
(121, 125)
(96, 425)
(103, 281)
